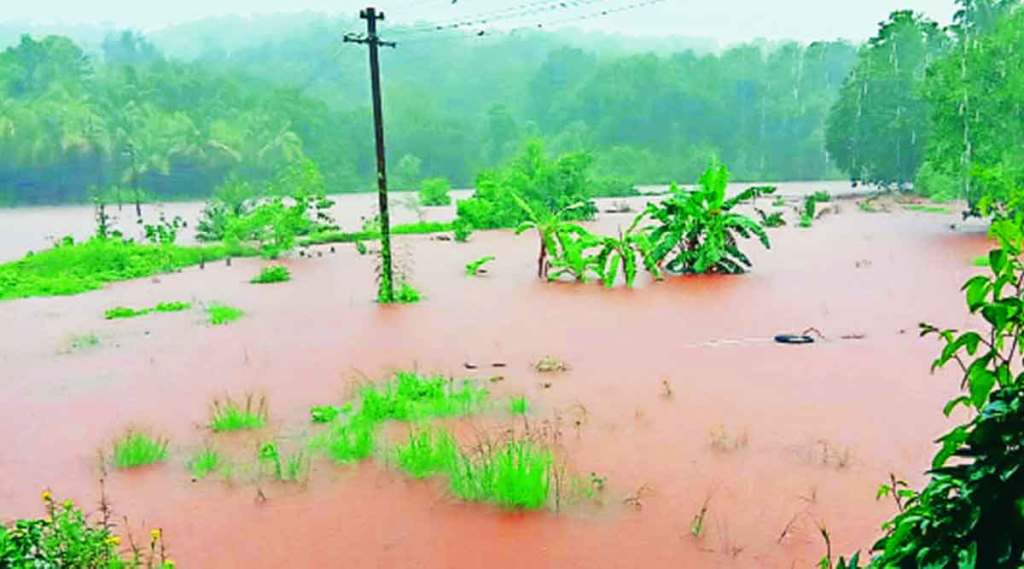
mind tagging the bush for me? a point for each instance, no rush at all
(434, 192)
(65, 538)
(233, 198)
(138, 449)
(935, 185)
(272, 274)
(971, 512)
(542, 182)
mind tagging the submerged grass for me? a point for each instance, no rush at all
(518, 405)
(72, 268)
(350, 441)
(205, 462)
(228, 415)
(360, 236)
(924, 208)
(411, 396)
(516, 474)
(272, 274)
(428, 451)
(219, 314)
(126, 312)
(139, 449)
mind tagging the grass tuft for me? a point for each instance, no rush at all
(138, 449)
(272, 274)
(125, 312)
(516, 474)
(351, 441)
(205, 462)
(174, 306)
(230, 416)
(518, 405)
(219, 314)
(410, 396)
(428, 451)
(324, 413)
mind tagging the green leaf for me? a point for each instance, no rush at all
(980, 381)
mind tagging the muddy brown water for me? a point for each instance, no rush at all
(823, 424)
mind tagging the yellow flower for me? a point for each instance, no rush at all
(114, 540)
(155, 534)
(47, 496)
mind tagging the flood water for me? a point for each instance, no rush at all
(823, 425)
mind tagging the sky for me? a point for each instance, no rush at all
(725, 21)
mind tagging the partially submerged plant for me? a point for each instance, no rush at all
(138, 449)
(119, 312)
(272, 274)
(476, 268)
(697, 232)
(516, 474)
(229, 415)
(426, 452)
(518, 405)
(220, 314)
(288, 469)
(348, 441)
(407, 294)
(205, 462)
(623, 251)
(324, 413)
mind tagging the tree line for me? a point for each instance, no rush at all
(938, 109)
(124, 117)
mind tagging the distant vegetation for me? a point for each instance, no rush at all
(140, 124)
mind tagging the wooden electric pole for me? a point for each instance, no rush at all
(371, 15)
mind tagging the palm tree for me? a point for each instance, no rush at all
(548, 225)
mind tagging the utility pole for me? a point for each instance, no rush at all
(386, 293)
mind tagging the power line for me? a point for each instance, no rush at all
(537, 25)
(509, 13)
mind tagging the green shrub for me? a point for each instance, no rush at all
(219, 314)
(372, 233)
(474, 268)
(407, 294)
(66, 538)
(971, 512)
(434, 192)
(272, 274)
(228, 415)
(543, 183)
(232, 199)
(138, 449)
(324, 413)
(461, 230)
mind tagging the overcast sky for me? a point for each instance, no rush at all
(727, 21)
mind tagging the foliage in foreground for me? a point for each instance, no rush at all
(71, 268)
(971, 513)
(65, 538)
(136, 449)
(272, 274)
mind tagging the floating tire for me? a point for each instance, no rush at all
(793, 339)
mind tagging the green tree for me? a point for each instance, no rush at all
(879, 127)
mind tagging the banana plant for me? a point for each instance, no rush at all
(623, 251)
(696, 231)
(571, 257)
(548, 225)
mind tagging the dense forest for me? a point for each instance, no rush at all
(178, 112)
